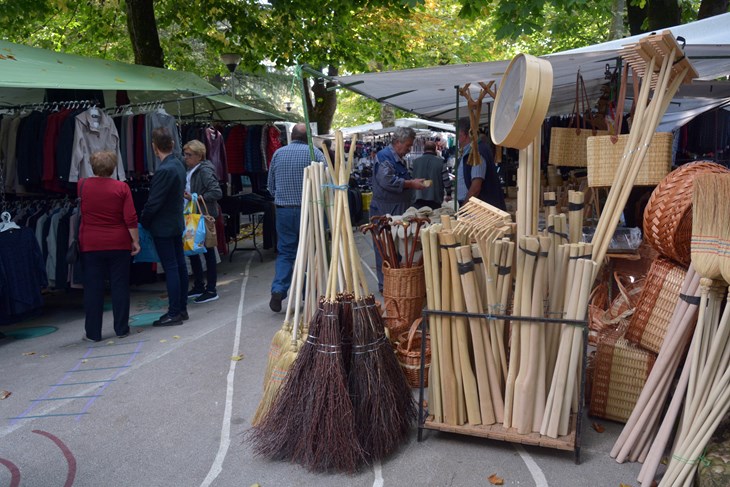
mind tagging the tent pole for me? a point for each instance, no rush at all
(457, 158)
(305, 108)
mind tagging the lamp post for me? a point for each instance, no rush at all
(231, 61)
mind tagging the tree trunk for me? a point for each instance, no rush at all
(636, 16)
(617, 24)
(710, 8)
(322, 108)
(387, 115)
(142, 28)
(662, 14)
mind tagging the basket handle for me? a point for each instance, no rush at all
(412, 332)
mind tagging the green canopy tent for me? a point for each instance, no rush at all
(25, 73)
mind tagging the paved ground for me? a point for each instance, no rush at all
(168, 407)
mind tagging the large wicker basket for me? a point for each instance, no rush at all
(568, 146)
(656, 304)
(604, 319)
(604, 157)
(619, 374)
(404, 290)
(408, 351)
(668, 214)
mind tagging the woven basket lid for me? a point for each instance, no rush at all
(522, 101)
(668, 214)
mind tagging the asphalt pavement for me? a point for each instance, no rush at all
(170, 406)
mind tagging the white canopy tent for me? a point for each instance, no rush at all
(431, 92)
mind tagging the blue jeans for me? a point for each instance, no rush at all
(170, 250)
(287, 234)
(210, 270)
(99, 265)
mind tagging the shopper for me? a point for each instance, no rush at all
(482, 180)
(392, 184)
(162, 215)
(432, 167)
(108, 236)
(201, 179)
(286, 175)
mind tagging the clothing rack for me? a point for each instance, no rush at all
(54, 105)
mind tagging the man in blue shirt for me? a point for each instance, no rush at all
(392, 183)
(286, 176)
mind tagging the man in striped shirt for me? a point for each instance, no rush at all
(286, 175)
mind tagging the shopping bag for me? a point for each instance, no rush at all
(194, 233)
(148, 252)
(211, 239)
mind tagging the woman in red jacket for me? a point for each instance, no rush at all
(108, 237)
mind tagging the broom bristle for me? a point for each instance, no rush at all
(706, 227)
(723, 213)
(276, 379)
(278, 342)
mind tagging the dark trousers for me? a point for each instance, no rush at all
(170, 250)
(99, 265)
(210, 271)
(430, 203)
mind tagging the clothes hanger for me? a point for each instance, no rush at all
(6, 223)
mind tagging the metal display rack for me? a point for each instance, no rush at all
(569, 442)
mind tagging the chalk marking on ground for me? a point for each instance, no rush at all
(537, 475)
(378, 471)
(225, 443)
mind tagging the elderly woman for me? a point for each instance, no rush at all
(201, 179)
(108, 237)
(392, 183)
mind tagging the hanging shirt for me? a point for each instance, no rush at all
(94, 132)
(159, 119)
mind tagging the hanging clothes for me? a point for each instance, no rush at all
(95, 131)
(160, 119)
(22, 275)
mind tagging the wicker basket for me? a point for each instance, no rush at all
(615, 318)
(604, 157)
(404, 291)
(620, 372)
(668, 214)
(408, 351)
(568, 146)
(656, 304)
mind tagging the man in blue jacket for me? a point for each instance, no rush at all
(163, 217)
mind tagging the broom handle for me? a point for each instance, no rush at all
(460, 325)
(452, 375)
(298, 278)
(434, 389)
(465, 261)
(539, 375)
(514, 356)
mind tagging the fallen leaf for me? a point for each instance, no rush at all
(163, 340)
(4, 394)
(237, 358)
(176, 337)
(599, 428)
(28, 353)
(623, 485)
(44, 356)
(494, 480)
(84, 361)
(110, 342)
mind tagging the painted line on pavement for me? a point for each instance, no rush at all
(378, 471)
(537, 474)
(217, 467)
(70, 459)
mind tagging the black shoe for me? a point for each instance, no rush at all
(87, 339)
(275, 302)
(195, 292)
(205, 297)
(167, 320)
(125, 335)
(184, 315)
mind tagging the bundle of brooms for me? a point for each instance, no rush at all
(345, 400)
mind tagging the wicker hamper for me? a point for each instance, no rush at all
(668, 214)
(604, 157)
(404, 291)
(620, 370)
(656, 304)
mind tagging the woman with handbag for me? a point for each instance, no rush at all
(107, 238)
(201, 179)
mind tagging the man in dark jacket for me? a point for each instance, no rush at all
(163, 217)
(481, 180)
(431, 168)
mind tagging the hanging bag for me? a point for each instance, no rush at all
(194, 233)
(148, 251)
(605, 152)
(73, 254)
(568, 145)
(211, 238)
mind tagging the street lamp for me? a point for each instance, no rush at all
(231, 61)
